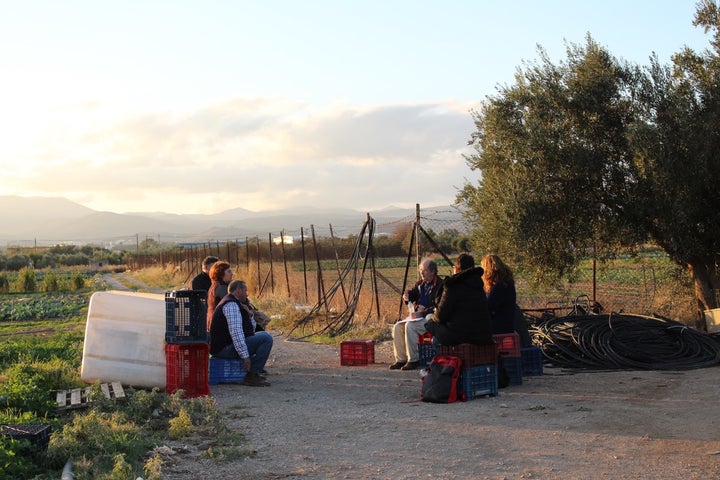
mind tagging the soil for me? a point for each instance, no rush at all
(321, 420)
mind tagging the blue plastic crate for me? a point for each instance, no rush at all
(479, 380)
(532, 361)
(514, 368)
(426, 352)
(186, 316)
(225, 370)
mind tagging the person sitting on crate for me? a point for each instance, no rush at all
(202, 280)
(233, 335)
(462, 315)
(421, 300)
(501, 295)
(221, 274)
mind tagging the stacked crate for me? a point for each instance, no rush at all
(508, 347)
(479, 374)
(186, 343)
(426, 348)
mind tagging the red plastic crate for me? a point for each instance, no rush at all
(187, 368)
(357, 352)
(470, 354)
(508, 344)
(425, 338)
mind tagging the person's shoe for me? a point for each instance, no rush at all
(252, 379)
(397, 365)
(410, 366)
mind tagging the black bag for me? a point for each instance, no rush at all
(440, 384)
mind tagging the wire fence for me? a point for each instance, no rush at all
(359, 277)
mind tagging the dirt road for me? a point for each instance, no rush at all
(320, 420)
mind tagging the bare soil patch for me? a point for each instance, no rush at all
(323, 420)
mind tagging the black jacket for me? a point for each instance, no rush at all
(501, 300)
(462, 314)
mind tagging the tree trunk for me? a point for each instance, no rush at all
(705, 283)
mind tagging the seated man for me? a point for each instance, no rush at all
(462, 314)
(422, 299)
(233, 335)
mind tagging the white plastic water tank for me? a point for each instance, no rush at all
(124, 339)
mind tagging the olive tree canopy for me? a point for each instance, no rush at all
(557, 174)
(582, 158)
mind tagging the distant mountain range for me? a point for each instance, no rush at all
(52, 221)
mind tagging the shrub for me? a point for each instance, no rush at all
(78, 281)
(17, 262)
(50, 282)
(26, 390)
(15, 462)
(4, 283)
(26, 281)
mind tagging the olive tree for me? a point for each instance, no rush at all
(556, 164)
(677, 144)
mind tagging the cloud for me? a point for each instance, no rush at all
(257, 154)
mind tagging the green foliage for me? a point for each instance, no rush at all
(122, 470)
(41, 306)
(4, 283)
(50, 282)
(26, 390)
(180, 426)
(98, 438)
(16, 459)
(27, 281)
(153, 468)
(116, 438)
(17, 262)
(78, 281)
(556, 178)
(676, 145)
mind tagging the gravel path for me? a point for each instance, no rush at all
(320, 420)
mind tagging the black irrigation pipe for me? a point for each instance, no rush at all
(624, 341)
(339, 323)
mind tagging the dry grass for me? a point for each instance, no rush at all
(623, 286)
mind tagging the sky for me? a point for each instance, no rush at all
(196, 107)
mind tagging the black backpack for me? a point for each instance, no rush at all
(440, 384)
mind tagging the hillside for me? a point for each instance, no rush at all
(51, 221)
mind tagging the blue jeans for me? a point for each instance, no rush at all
(259, 346)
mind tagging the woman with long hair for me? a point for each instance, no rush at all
(220, 275)
(499, 285)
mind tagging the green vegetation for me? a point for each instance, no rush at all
(593, 156)
(41, 339)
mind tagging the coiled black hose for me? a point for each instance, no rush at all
(624, 341)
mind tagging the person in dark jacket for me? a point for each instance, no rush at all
(233, 334)
(202, 280)
(462, 314)
(500, 291)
